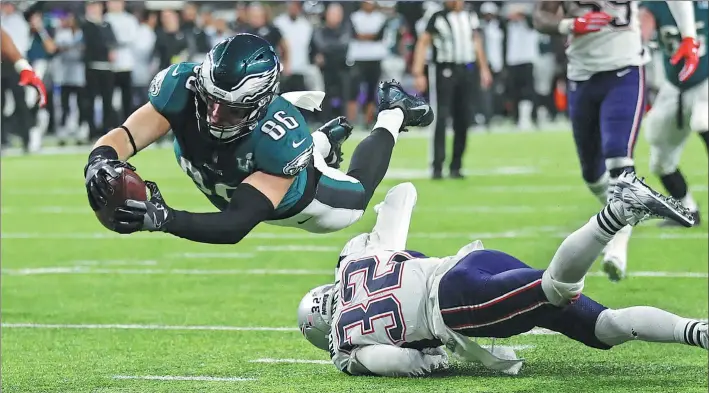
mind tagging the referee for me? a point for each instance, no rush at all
(458, 59)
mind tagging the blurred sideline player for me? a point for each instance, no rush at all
(248, 149)
(22, 66)
(680, 107)
(391, 311)
(606, 90)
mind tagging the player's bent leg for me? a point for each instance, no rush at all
(667, 134)
(397, 110)
(632, 202)
(491, 294)
(650, 324)
(583, 113)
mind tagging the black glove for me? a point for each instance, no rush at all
(97, 175)
(151, 215)
(337, 130)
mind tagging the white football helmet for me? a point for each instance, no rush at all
(314, 315)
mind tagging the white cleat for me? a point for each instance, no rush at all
(640, 202)
(615, 255)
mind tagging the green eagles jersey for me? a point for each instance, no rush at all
(669, 39)
(280, 144)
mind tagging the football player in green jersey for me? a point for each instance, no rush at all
(248, 149)
(681, 103)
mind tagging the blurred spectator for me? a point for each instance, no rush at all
(99, 42)
(17, 28)
(299, 32)
(259, 25)
(398, 41)
(240, 23)
(170, 42)
(329, 49)
(365, 54)
(42, 48)
(143, 50)
(197, 39)
(522, 48)
(125, 28)
(493, 97)
(221, 31)
(70, 75)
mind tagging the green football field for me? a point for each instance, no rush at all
(86, 310)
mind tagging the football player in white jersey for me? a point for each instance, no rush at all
(391, 312)
(606, 89)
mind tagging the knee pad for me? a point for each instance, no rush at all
(559, 293)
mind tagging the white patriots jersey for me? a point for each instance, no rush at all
(615, 46)
(381, 301)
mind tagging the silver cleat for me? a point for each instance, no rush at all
(641, 202)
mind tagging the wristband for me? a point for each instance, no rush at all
(566, 26)
(103, 151)
(22, 65)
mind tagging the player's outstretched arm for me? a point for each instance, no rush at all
(547, 19)
(143, 127)
(111, 151)
(391, 361)
(252, 202)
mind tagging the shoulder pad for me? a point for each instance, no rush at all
(284, 146)
(170, 90)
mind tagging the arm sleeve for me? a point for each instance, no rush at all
(247, 208)
(474, 21)
(391, 361)
(683, 12)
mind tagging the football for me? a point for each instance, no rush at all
(128, 185)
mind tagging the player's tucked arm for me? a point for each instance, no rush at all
(145, 126)
(547, 19)
(11, 53)
(391, 361)
(683, 12)
(253, 201)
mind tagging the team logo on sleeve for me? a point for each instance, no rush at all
(299, 163)
(156, 83)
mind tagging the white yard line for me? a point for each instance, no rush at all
(526, 189)
(213, 255)
(297, 248)
(292, 361)
(528, 233)
(179, 272)
(183, 378)
(149, 327)
(262, 272)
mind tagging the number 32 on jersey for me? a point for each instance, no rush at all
(378, 283)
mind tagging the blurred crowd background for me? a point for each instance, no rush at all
(98, 58)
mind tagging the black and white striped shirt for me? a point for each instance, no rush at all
(452, 35)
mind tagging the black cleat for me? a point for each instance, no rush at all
(337, 130)
(417, 112)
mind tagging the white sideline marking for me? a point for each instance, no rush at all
(294, 247)
(297, 361)
(187, 272)
(114, 263)
(213, 255)
(183, 378)
(262, 272)
(512, 347)
(149, 327)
